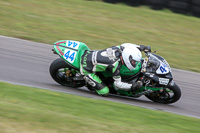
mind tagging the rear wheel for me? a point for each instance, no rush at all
(64, 74)
(167, 96)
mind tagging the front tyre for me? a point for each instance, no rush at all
(63, 74)
(167, 96)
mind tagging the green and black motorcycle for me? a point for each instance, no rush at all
(153, 71)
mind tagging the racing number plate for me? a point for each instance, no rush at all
(70, 55)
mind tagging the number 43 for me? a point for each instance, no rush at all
(67, 55)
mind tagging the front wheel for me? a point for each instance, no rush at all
(64, 74)
(167, 96)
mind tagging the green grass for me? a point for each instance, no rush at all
(100, 25)
(25, 109)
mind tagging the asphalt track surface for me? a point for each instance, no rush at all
(27, 63)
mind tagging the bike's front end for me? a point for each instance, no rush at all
(158, 80)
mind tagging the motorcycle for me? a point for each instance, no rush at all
(153, 71)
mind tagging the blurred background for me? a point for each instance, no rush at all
(188, 7)
(169, 26)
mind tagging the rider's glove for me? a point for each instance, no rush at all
(147, 49)
(137, 85)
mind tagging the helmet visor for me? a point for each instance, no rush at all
(132, 61)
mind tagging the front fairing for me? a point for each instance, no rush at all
(160, 70)
(162, 65)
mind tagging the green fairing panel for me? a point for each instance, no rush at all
(141, 90)
(71, 51)
(125, 93)
(151, 88)
(124, 71)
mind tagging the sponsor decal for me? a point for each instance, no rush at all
(163, 81)
(128, 72)
(152, 75)
(85, 59)
(166, 63)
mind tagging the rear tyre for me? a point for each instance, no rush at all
(63, 74)
(171, 95)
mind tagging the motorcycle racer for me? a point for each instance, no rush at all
(111, 59)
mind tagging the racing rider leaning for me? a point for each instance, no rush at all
(111, 59)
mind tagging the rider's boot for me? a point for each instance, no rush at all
(96, 83)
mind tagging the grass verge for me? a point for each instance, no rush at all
(25, 109)
(100, 25)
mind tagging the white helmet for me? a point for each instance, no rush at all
(131, 56)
